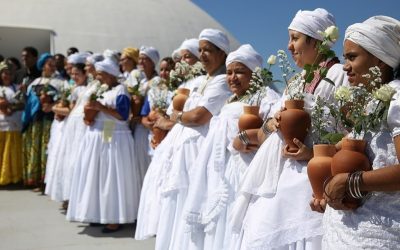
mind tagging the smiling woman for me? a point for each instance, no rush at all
(375, 224)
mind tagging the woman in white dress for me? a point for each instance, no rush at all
(150, 201)
(192, 127)
(376, 223)
(58, 185)
(106, 186)
(148, 59)
(219, 167)
(271, 211)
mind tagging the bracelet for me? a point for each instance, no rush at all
(264, 127)
(353, 183)
(179, 117)
(244, 138)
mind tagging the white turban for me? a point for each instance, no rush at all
(77, 58)
(151, 52)
(108, 66)
(216, 37)
(192, 45)
(247, 55)
(176, 55)
(92, 59)
(310, 22)
(380, 36)
(111, 54)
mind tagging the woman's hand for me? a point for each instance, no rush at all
(147, 122)
(318, 205)
(239, 146)
(303, 154)
(335, 192)
(96, 106)
(47, 107)
(164, 123)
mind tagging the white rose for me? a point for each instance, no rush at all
(384, 93)
(103, 87)
(332, 32)
(271, 60)
(343, 93)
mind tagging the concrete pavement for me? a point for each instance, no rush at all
(30, 221)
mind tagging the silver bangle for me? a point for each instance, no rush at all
(264, 127)
(244, 138)
(179, 117)
(353, 184)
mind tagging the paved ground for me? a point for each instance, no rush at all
(30, 221)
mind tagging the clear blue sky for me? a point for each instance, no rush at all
(263, 23)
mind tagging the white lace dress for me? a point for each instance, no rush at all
(150, 197)
(272, 210)
(376, 224)
(211, 94)
(106, 184)
(217, 173)
(58, 186)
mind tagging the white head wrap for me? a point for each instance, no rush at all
(151, 52)
(247, 55)
(77, 58)
(176, 55)
(192, 45)
(92, 59)
(310, 22)
(216, 37)
(111, 54)
(108, 66)
(380, 36)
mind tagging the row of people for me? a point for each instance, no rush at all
(210, 184)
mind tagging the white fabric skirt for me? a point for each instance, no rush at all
(106, 184)
(59, 187)
(141, 137)
(53, 146)
(284, 220)
(150, 198)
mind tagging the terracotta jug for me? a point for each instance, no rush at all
(44, 98)
(250, 118)
(90, 114)
(3, 105)
(294, 123)
(182, 94)
(136, 105)
(62, 104)
(158, 136)
(319, 167)
(349, 159)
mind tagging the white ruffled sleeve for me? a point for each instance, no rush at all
(393, 118)
(271, 97)
(215, 95)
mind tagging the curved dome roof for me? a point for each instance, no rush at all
(99, 24)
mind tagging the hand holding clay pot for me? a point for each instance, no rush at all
(294, 123)
(250, 118)
(89, 113)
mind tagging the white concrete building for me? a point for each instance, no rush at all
(56, 25)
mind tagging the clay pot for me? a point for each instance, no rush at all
(250, 118)
(62, 104)
(158, 136)
(90, 114)
(349, 159)
(294, 123)
(319, 167)
(179, 100)
(44, 98)
(3, 105)
(136, 104)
